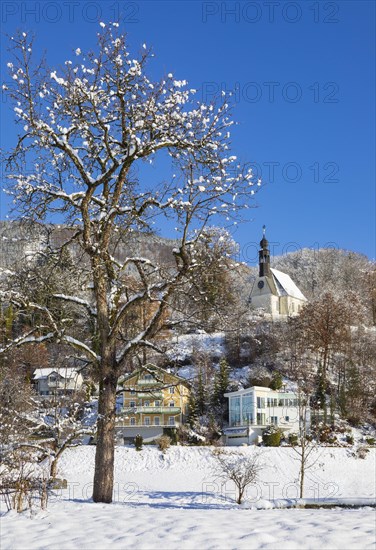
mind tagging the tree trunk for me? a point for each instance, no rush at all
(302, 470)
(53, 469)
(105, 451)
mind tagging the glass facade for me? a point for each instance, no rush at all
(234, 411)
(247, 409)
(241, 410)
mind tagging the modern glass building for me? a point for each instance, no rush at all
(253, 409)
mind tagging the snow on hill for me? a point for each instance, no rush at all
(186, 344)
(173, 500)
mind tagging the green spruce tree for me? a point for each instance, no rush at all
(192, 416)
(201, 396)
(221, 382)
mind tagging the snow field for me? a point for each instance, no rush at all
(173, 499)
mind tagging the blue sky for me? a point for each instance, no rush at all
(304, 78)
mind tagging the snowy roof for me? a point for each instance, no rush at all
(66, 372)
(286, 286)
(149, 368)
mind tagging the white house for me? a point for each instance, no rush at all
(57, 381)
(273, 290)
(253, 409)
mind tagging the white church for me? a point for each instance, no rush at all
(273, 291)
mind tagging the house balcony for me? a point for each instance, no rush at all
(58, 384)
(144, 383)
(150, 410)
(267, 422)
(152, 394)
(123, 423)
(246, 423)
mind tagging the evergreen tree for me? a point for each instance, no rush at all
(277, 381)
(320, 393)
(201, 397)
(192, 416)
(9, 318)
(221, 381)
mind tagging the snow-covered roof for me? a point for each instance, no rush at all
(149, 368)
(66, 372)
(286, 286)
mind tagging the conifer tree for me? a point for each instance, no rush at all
(221, 382)
(201, 399)
(192, 416)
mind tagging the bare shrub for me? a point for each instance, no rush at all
(22, 483)
(164, 443)
(241, 469)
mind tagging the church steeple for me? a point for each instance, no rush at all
(264, 256)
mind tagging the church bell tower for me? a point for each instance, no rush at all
(264, 256)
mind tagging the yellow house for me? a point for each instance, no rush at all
(153, 399)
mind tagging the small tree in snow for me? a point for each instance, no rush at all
(241, 469)
(64, 422)
(306, 447)
(22, 480)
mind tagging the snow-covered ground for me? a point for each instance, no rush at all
(170, 500)
(185, 345)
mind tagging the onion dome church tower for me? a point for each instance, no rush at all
(274, 291)
(264, 256)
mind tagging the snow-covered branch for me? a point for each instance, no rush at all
(79, 301)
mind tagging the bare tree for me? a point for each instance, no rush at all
(84, 130)
(325, 325)
(241, 469)
(306, 447)
(300, 370)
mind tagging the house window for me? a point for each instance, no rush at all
(247, 409)
(261, 419)
(171, 421)
(157, 403)
(261, 402)
(234, 411)
(172, 404)
(133, 421)
(172, 389)
(147, 421)
(148, 377)
(132, 404)
(287, 418)
(156, 420)
(133, 392)
(146, 403)
(274, 420)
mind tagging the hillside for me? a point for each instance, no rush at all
(19, 242)
(314, 271)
